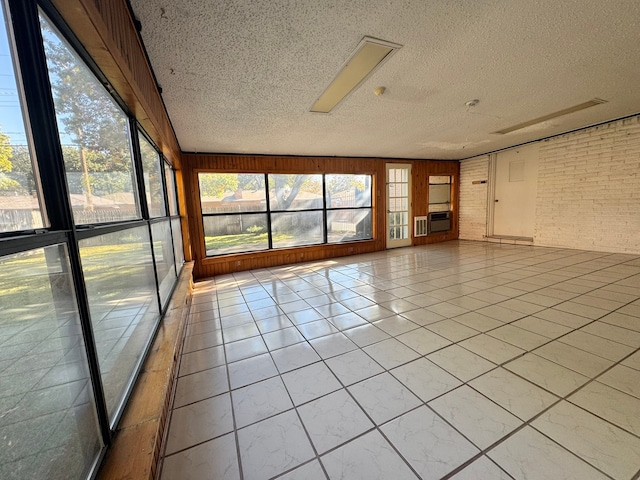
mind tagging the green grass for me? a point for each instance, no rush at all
(221, 244)
(110, 271)
(228, 241)
(24, 280)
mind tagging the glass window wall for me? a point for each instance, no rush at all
(176, 232)
(151, 169)
(163, 254)
(20, 205)
(118, 272)
(170, 177)
(94, 133)
(48, 425)
(241, 215)
(78, 307)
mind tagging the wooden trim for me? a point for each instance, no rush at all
(210, 266)
(107, 31)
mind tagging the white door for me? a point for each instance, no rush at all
(516, 185)
(398, 205)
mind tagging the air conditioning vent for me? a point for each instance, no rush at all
(420, 226)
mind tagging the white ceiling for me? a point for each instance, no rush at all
(240, 76)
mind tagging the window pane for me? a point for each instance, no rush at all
(118, 271)
(178, 250)
(170, 177)
(152, 178)
(94, 133)
(235, 233)
(348, 191)
(48, 422)
(232, 192)
(439, 193)
(294, 229)
(349, 225)
(19, 192)
(295, 192)
(163, 252)
(439, 179)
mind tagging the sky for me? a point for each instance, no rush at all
(11, 121)
(11, 117)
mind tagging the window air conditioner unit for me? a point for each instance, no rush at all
(439, 222)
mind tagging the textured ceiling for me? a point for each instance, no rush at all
(240, 76)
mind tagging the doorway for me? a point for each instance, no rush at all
(516, 186)
(398, 205)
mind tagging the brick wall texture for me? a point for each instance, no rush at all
(473, 198)
(588, 190)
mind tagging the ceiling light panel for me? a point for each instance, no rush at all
(368, 56)
(559, 113)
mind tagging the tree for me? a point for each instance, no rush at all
(287, 188)
(6, 152)
(338, 183)
(7, 185)
(216, 184)
(90, 118)
(22, 171)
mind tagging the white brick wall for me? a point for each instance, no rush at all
(473, 198)
(589, 189)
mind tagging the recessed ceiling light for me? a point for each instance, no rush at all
(559, 113)
(369, 55)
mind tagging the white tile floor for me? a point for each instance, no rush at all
(459, 360)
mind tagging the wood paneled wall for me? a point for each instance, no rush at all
(210, 266)
(420, 172)
(106, 30)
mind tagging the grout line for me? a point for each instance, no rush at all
(418, 326)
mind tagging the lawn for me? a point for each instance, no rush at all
(243, 242)
(111, 272)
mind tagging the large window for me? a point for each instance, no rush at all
(151, 168)
(48, 423)
(78, 306)
(118, 270)
(169, 175)
(297, 203)
(234, 206)
(349, 213)
(439, 193)
(20, 206)
(250, 212)
(163, 255)
(94, 133)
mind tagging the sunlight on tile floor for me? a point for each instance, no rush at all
(461, 360)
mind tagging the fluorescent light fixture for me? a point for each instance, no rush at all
(559, 113)
(368, 56)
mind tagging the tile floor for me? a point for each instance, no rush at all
(461, 360)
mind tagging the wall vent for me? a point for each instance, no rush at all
(420, 226)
